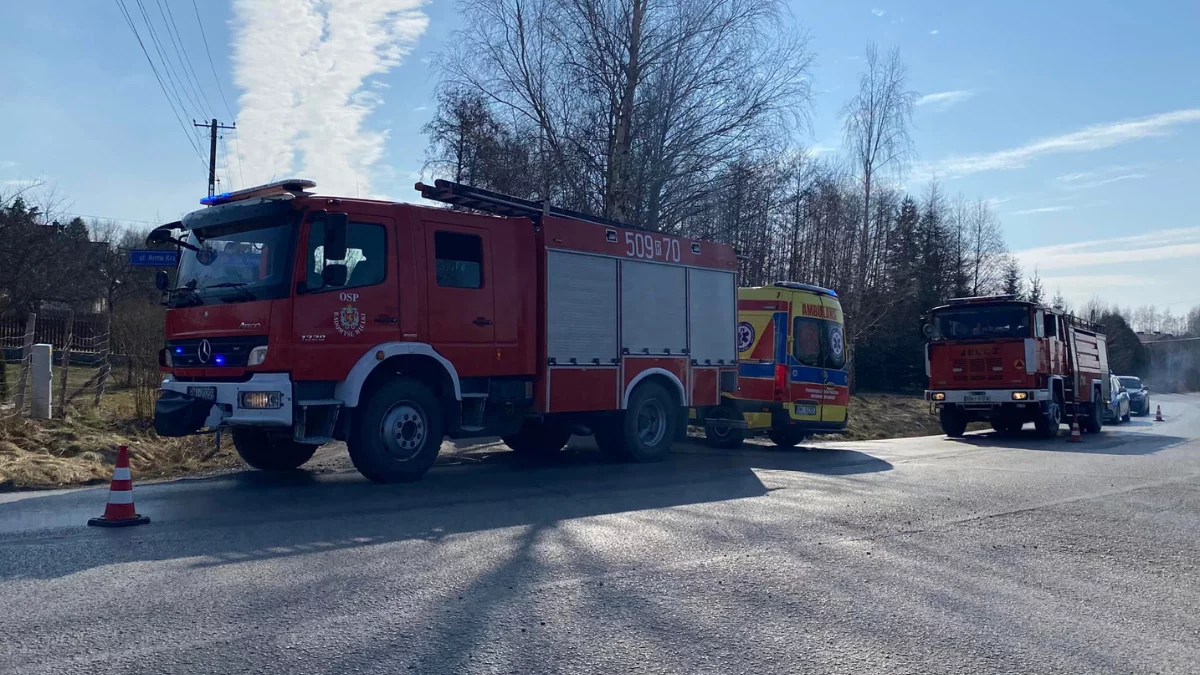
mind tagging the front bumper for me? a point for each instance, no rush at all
(179, 412)
(986, 397)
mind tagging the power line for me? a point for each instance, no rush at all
(237, 147)
(168, 69)
(225, 149)
(181, 52)
(208, 52)
(170, 102)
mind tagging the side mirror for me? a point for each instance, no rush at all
(1146, 387)
(161, 281)
(927, 330)
(334, 274)
(335, 237)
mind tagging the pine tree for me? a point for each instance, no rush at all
(1036, 292)
(1013, 283)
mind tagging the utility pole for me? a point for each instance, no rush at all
(212, 152)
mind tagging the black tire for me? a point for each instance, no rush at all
(1093, 421)
(270, 452)
(538, 439)
(407, 447)
(728, 438)
(1127, 417)
(645, 430)
(1051, 418)
(954, 423)
(1146, 408)
(786, 437)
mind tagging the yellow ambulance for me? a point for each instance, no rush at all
(792, 378)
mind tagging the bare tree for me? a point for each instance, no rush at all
(876, 135)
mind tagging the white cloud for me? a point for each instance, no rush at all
(821, 149)
(934, 32)
(1104, 181)
(1041, 209)
(303, 69)
(1151, 246)
(1095, 137)
(879, 12)
(944, 99)
(420, 108)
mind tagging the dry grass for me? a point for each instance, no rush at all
(878, 416)
(81, 449)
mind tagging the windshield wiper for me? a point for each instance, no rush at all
(240, 286)
(191, 299)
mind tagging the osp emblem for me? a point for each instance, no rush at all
(745, 336)
(348, 320)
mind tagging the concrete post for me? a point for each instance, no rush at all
(41, 389)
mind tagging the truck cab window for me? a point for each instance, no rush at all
(1051, 325)
(459, 260)
(365, 256)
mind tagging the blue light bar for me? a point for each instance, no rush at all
(806, 287)
(291, 185)
(179, 350)
(219, 360)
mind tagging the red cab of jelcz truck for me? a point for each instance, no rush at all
(1009, 362)
(297, 319)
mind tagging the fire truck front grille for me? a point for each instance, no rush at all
(219, 353)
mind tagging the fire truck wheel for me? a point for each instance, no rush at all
(1048, 422)
(725, 438)
(954, 423)
(786, 437)
(538, 439)
(645, 430)
(1095, 419)
(270, 452)
(399, 433)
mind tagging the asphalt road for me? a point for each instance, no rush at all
(912, 556)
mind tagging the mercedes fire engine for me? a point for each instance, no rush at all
(296, 319)
(1010, 362)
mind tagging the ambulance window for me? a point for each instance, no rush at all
(459, 260)
(365, 254)
(806, 341)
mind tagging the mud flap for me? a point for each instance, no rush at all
(177, 414)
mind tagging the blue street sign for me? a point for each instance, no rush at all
(154, 258)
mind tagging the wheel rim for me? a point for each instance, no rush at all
(403, 430)
(1055, 415)
(651, 422)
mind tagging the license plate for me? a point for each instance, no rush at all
(975, 399)
(205, 393)
(809, 410)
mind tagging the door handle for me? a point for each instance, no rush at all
(385, 319)
(482, 322)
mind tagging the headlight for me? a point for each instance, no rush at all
(938, 396)
(1020, 395)
(260, 400)
(257, 356)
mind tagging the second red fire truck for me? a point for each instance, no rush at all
(1009, 362)
(297, 319)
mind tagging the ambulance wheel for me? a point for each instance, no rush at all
(644, 431)
(270, 452)
(538, 439)
(726, 437)
(398, 434)
(786, 437)
(954, 423)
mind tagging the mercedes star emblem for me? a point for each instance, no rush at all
(205, 351)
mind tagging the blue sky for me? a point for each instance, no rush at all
(1080, 121)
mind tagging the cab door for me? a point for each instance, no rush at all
(834, 377)
(335, 325)
(462, 311)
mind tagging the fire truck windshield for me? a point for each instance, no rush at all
(236, 265)
(994, 321)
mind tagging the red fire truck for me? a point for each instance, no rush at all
(297, 319)
(1010, 362)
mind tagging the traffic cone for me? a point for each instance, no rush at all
(119, 511)
(1075, 437)
(1158, 414)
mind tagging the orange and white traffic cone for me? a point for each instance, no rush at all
(1158, 414)
(120, 512)
(1075, 437)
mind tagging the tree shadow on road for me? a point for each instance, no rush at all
(265, 516)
